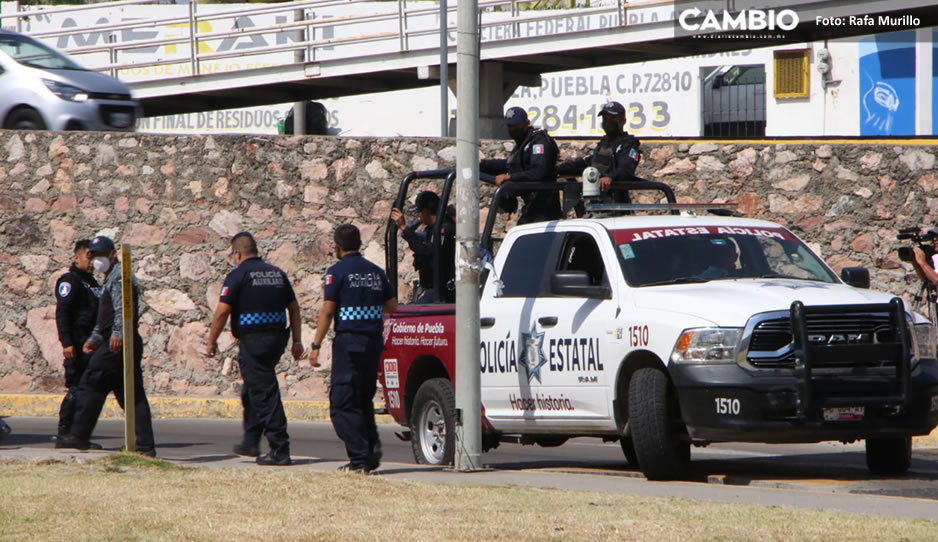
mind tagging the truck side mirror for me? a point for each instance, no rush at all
(858, 277)
(577, 284)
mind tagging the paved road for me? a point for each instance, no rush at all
(819, 476)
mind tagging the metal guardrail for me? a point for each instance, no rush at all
(300, 20)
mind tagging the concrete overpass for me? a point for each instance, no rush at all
(326, 56)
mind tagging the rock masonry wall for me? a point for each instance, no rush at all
(178, 199)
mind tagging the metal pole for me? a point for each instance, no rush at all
(299, 108)
(193, 38)
(444, 73)
(468, 376)
(127, 314)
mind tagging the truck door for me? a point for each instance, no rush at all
(574, 382)
(512, 358)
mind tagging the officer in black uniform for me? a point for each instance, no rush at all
(355, 295)
(616, 156)
(76, 309)
(257, 296)
(533, 160)
(421, 242)
(105, 372)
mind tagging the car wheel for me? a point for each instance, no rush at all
(889, 455)
(653, 418)
(25, 119)
(433, 423)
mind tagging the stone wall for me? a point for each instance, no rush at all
(177, 200)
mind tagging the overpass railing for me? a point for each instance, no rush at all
(192, 37)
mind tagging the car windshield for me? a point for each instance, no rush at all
(35, 54)
(678, 255)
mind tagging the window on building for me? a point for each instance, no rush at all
(791, 73)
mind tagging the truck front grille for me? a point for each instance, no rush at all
(771, 344)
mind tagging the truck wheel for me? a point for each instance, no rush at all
(889, 455)
(628, 448)
(25, 119)
(661, 454)
(433, 423)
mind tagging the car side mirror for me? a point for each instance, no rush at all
(858, 277)
(577, 284)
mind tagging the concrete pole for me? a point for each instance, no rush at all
(299, 108)
(444, 72)
(468, 375)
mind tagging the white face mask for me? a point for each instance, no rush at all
(101, 264)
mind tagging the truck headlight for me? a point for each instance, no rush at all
(708, 345)
(924, 341)
(65, 91)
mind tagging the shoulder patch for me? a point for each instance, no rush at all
(328, 279)
(65, 288)
(537, 149)
(224, 291)
(634, 154)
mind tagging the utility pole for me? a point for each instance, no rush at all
(444, 71)
(468, 376)
(299, 56)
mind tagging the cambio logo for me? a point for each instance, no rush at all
(747, 19)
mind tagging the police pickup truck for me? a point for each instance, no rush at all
(665, 331)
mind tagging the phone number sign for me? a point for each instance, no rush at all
(657, 103)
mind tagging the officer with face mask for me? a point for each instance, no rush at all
(616, 156)
(105, 372)
(533, 160)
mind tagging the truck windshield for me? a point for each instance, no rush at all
(35, 54)
(655, 256)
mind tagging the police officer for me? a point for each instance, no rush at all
(76, 309)
(533, 160)
(257, 296)
(356, 293)
(616, 155)
(421, 242)
(105, 367)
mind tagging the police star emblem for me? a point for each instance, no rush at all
(532, 353)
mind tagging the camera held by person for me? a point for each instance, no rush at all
(922, 257)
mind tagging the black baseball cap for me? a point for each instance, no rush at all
(515, 116)
(612, 108)
(426, 200)
(101, 244)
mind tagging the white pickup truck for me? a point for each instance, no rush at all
(666, 331)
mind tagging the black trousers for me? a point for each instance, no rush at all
(355, 359)
(260, 393)
(105, 374)
(74, 368)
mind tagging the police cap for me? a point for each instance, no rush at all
(612, 108)
(426, 200)
(101, 243)
(515, 116)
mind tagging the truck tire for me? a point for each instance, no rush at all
(25, 119)
(889, 455)
(433, 423)
(652, 412)
(628, 448)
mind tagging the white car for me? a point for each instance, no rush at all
(42, 89)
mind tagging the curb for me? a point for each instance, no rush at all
(47, 405)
